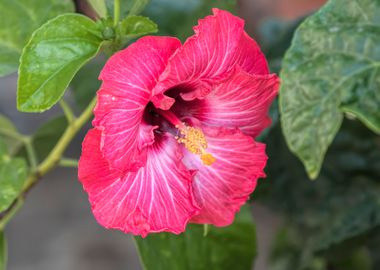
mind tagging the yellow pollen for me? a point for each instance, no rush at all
(195, 141)
(207, 159)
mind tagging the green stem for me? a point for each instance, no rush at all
(67, 111)
(68, 162)
(11, 212)
(55, 155)
(12, 134)
(116, 12)
(27, 141)
(32, 157)
(205, 230)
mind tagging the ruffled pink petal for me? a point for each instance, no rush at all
(242, 101)
(223, 187)
(219, 44)
(128, 79)
(158, 197)
(250, 57)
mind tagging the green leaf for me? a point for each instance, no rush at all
(99, 6)
(332, 67)
(13, 173)
(134, 26)
(6, 125)
(50, 60)
(362, 99)
(8, 132)
(3, 251)
(220, 249)
(19, 18)
(86, 83)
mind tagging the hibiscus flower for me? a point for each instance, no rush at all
(173, 132)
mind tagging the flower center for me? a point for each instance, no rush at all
(192, 138)
(195, 142)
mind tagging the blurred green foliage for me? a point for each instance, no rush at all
(341, 206)
(177, 18)
(232, 247)
(332, 222)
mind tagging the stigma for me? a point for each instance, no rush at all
(195, 142)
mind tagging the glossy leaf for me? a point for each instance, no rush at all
(13, 173)
(18, 20)
(50, 60)
(99, 6)
(3, 251)
(134, 26)
(332, 67)
(232, 247)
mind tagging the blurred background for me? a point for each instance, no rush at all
(56, 230)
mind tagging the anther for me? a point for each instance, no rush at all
(195, 141)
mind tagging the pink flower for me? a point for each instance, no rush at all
(173, 132)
